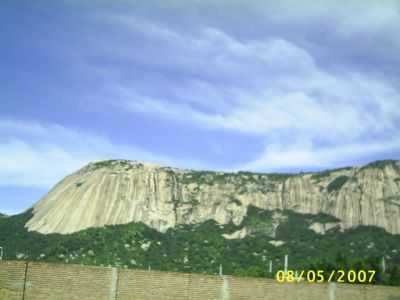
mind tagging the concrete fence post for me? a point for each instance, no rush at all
(286, 264)
(114, 284)
(189, 286)
(225, 289)
(25, 279)
(332, 290)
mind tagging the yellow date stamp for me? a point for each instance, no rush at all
(320, 276)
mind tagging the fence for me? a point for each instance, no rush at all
(37, 281)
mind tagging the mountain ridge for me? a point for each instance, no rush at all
(121, 191)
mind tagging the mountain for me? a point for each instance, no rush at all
(135, 215)
(120, 191)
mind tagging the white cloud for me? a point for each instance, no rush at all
(302, 154)
(39, 155)
(297, 95)
(268, 83)
(271, 88)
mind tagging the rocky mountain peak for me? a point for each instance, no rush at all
(123, 191)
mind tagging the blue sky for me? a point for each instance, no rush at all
(224, 85)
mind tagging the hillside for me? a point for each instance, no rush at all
(201, 248)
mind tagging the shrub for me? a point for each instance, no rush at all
(337, 183)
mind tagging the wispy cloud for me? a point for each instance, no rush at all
(317, 83)
(271, 88)
(302, 155)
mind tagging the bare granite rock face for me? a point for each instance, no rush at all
(120, 191)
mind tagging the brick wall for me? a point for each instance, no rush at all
(67, 282)
(37, 281)
(145, 285)
(206, 287)
(12, 279)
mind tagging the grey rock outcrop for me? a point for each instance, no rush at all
(118, 192)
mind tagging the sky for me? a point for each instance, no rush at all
(266, 86)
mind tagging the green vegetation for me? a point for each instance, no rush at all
(201, 177)
(112, 162)
(244, 181)
(280, 176)
(323, 174)
(242, 177)
(380, 164)
(201, 248)
(322, 218)
(250, 177)
(259, 221)
(103, 164)
(211, 178)
(337, 183)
